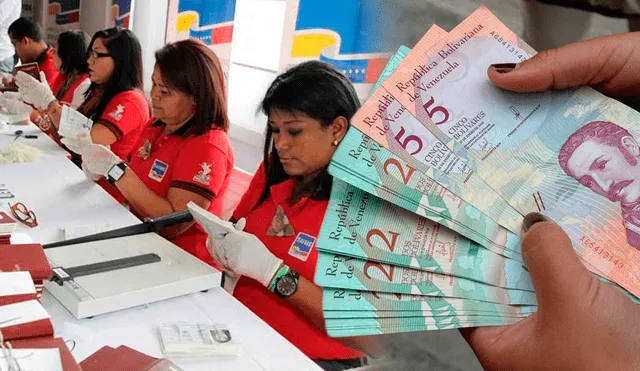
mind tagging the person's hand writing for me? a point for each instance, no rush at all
(610, 64)
(582, 323)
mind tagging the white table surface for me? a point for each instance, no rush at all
(61, 197)
(48, 148)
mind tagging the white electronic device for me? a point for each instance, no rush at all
(176, 273)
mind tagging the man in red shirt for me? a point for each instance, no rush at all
(27, 38)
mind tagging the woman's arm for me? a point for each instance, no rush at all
(146, 203)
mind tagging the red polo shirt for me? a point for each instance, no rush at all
(45, 63)
(125, 115)
(66, 97)
(306, 218)
(200, 164)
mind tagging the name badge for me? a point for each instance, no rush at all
(302, 246)
(158, 170)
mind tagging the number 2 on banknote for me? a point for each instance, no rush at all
(436, 109)
(405, 176)
(375, 295)
(370, 264)
(390, 244)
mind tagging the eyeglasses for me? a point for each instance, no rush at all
(96, 55)
(24, 215)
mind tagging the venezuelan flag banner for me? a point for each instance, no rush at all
(349, 34)
(210, 21)
(62, 15)
(121, 13)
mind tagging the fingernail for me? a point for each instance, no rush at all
(531, 219)
(504, 67)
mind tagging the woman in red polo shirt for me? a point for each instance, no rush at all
(71, 84)
(114, 101)
(183, 154)
(308, 109)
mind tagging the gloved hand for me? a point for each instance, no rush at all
(89, 174)
(33, 91)
(79, 143)
(243, 253)
(7, 79)
(11, 101)
(99, 159)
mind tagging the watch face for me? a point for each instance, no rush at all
(286, 285)
(116, 172)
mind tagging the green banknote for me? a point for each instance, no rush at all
(353, 314)
(362, 162)
(337, 299)
(361, 225)
(377, 326)
(337, 271)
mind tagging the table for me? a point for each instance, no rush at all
(62, 197)
(46, 145)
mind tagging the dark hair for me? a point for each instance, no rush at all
(191, 67)
(24, 27)
(126, 53)
(72, 51)
(314, 89)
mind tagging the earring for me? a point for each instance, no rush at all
(335, 142)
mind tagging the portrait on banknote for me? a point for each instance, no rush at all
(605, 158)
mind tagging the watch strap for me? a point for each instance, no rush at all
(281, 272)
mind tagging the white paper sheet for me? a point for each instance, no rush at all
(16, 283)
(73, 122)
(19, 313)
(32, 359)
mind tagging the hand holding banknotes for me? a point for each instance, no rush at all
(581, 323)
(609, 64)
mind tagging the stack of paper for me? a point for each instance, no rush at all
(26, 258)
(434, 176)
(7, 226)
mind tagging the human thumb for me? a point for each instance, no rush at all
(43, 77)
(557, 272)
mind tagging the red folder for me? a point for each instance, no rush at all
(124, 358)
(11, 299)
(42, 327)
(68, 362)
(35, 328)
(26, 257)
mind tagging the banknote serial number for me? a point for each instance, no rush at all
(604, 253)
(515, 51)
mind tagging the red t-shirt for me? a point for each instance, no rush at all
(67, 96)
(201, 164)
(306, 219)
(45, 63)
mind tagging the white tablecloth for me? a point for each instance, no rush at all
(61, 197)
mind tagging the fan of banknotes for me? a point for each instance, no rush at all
(430, 184)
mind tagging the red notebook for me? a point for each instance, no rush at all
(16, 287)
(24, 320)
(27, 257)
(68, 362)
(124, 358)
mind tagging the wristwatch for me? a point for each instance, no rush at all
(116, 172)
(287, 284)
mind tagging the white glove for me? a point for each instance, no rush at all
(244, 254)
(11, 101)
(7, 79)
(33, 91)
(89, 174)
(79, 143)
(99, 159)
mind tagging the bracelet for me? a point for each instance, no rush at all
(281, 272)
